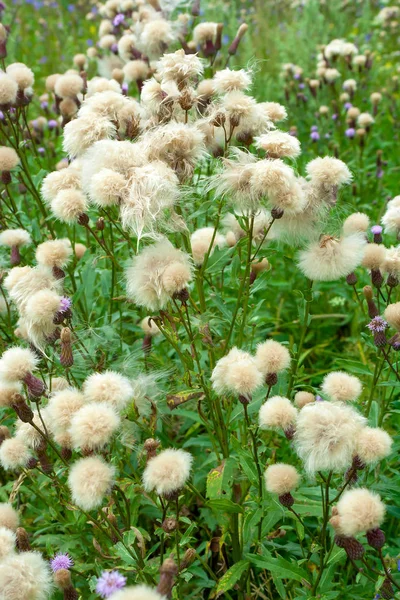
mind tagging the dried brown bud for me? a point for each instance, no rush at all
(169, 525)
(23, 544)
(188, 558)
(168, 572)
(23, 411)
(151, 446)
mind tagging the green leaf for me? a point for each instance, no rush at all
(281, 568)
(219, 479)
(231, 577)
(225, 506)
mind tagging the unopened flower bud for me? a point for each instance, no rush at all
(277, 212)
(168, 572)
(286, 500)
(150, 446)
(188, 558)
(22, 540)
(376, 278)
(23, 411)
(66, 356)
(376, 538)
(169, 525)
(351, 279)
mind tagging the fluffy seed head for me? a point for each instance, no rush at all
(236, 373)
(325, 436)
(358, 511)
(374, 256)
(391, 220)
(179, 67)
(8, 516)
(68, 86)
(68, 205)
(93, 426)
(272, 357)
(277, 413)
(107, 187)
(89, 480)
(62, 406)
(357, 222)
(392, 315)
(59, 180)
(167, 472)
(9, 159)
(149, 327)
(7, 392)
(328, 171)
(156, 274)
(274, 111)
(109, 387)
(330, 258)
(201, 241)
(14, 237)
(303, 398)
(278, 144)
(83, 132)
(391, 264)
(14, 453)
(228, 80)
(54, 253)
(137, 592)
(8, 89)
(28, 434)
(341, 387)
(25, 576)
(281, 478)
(16, 363)
(373, 444)
(7, 542)
(22, 75)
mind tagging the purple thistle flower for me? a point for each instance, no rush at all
(41, 150)
(302, 86)
(350, 132)
(118, 19)
(314, 128)
(114, 48)
(65, 303)
(348, 105)
(318, 398)
(314, 136)
(377, 324)
(124, 87)
(110, 582)
(52, 124)
(376, 229)
(44, 104)
(61, 561)
(334, 117)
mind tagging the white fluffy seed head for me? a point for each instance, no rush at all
(374, 256)
(392, 315)
(137, 592)
(391, 263)
(277, 413)
(9, 517)
(107, 187)
(68, 178)
(201, 243)
(149, 327)
(341, 387)
(7, 542)
(281, 478)
(16, 363)
(25, 576)
(22, 75)
(278, 144)
(355, 223)
(167, 472)
(325, 436)
(229, 80)
(42, 307)
(237, 374)
(93, 426)
(14, 453)
(330, 258)
(9, 159)
(8, 391)
(358, 511)
(8, 90)
(81, 133)
(303, 398)
(27, 433)
(156, 274)
(90, 480)
(68, 205)
(373, 444)
(54, 253)
(391, 220)
(68, 86)
(272, 357)
(14, 237)
(274, 111)
(328, 171)
(109, 387)
(61, 408)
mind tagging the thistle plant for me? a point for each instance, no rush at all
(199, 316)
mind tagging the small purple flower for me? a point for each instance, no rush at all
(314, 128)
(114, 48)
(44, 104)
(348, 105)
(124, 87)
(89, 43)
(314, 136)
(376, 229)
(318, 398)
(110, 582)
(302, 86)
(377, 324)
(379, 173)
(1, 115)
(71, 8)
(297, 76)
(41, 151)
(61, 561)
(52, 124)
(65, 304)
(334, 117)
(350, 132)
(118, 19)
